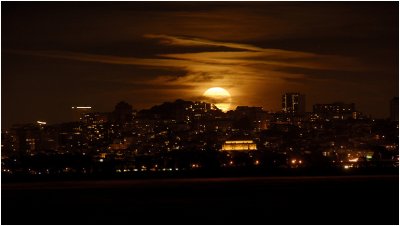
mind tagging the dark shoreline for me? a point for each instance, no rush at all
(217, 173)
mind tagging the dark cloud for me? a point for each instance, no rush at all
(56, 54)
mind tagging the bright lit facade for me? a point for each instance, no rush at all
(239, 145)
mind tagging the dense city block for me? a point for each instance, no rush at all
(194, 136)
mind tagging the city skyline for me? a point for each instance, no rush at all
(76, 112)
(58, 55)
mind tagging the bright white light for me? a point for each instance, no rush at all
(81, 107)
(219, 96)
(42, 123)
(347, 166)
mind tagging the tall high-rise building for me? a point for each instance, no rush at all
(394, 109)
(294, 103)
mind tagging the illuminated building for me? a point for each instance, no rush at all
(28, 138)
(293, 103)
(94, 118)
(93, 126)
(239, 145)
(335, 111)
(70, 137)
(8, 141)
(201, 106)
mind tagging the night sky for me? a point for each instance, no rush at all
(57, 55)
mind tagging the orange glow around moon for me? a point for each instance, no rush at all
(218, 96)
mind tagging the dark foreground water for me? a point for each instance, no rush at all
(261, 200)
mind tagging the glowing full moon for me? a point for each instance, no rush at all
(218, 96)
